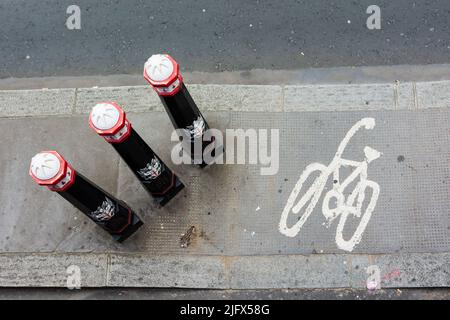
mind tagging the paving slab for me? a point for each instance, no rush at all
(15, 103)
(33, 219)
(49, 270)
(166, 271)
(434, 94)
(339, 97)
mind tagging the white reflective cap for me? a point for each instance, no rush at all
(159, 67)
(45, 166)
(104, 116)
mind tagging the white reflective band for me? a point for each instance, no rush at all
(65, 180)
(119, 134)
(170, 88)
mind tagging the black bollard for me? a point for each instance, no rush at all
(162, 72)
(48, 168)
(109, 120)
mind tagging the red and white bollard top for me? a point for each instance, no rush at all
(109, 120)
(49, 168)
(163, 73)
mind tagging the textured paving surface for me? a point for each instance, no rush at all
(235, 210)
(410, 215)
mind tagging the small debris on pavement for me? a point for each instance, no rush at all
(185, 239)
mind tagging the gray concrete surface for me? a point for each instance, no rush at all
(340, 97)
(46, 270)
(271, 98)
(208, 97)
(219, 272)
(116, 37)
(410, 214)
(405, 228)
(41, 102)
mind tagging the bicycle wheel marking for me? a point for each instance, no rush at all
(352, 205)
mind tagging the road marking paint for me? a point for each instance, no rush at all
(352, 205)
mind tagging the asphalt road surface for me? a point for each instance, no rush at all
(116, 37)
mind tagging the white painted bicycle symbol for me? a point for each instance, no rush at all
(343, 207)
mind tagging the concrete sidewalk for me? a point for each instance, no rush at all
(408, 238)
(259, 98)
